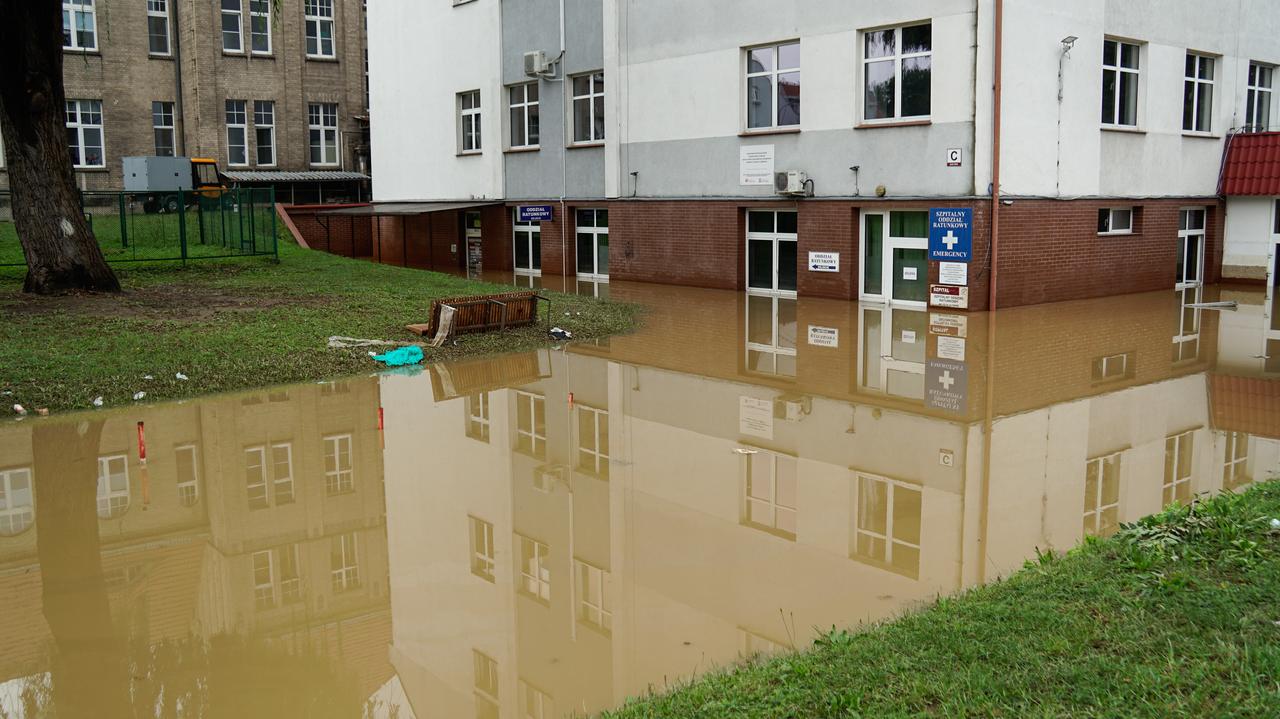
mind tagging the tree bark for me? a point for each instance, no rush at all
(61, 251)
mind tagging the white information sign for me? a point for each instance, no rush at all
(824, 261)
(755, 165)
(948, 324)
(949, 296)
(951, 348)
(953, 273)
(955, 157)
(824, 336)
(909, 337)
(909, 273)
(755, 417)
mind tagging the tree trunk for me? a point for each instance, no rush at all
(61, 251)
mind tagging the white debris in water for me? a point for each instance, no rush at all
(139, 395)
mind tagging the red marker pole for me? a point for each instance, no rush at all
(142, 461)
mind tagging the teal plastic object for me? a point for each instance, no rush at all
(400, 356)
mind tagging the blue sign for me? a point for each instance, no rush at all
(533, 213)
(951, 234)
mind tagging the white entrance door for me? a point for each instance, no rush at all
(1190, 248)
(894, 253)
(527, 245)
(771, 252)
(593, 244)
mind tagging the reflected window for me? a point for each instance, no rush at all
(264, 586)
(1186, 333)
(1235, 460)
(897, 71)
(595, 606)
(268, 471)
(753, 644)
(593, 441)
(113, 486)
(329, 389)
(343, 563)
(773, 86)
(17, 501)
(482, 553)
(478, 416)
(892, 353)
(769, 491)
(185, 457)
(886, 529)
(531, 424)
(535, 569)
(1112, 367)
(290, 573)
(486, 685)
(535, 703)
(1179, 456)
(771, 335)
(339, 476)
(1102, 495)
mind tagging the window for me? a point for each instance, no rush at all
(162, 127)
(339, 477)
(1120, 83)
(771, 251)
(1112, 367)
(344, 566)
(769, 490)
(531, 424)
(594, 604)
(593, 441)
(1102, 495)
(469, 121)
(482, 553)
(319, 19)
(237, 133)
(264, 583)
(260, 27)
(773, 86)
(1197, 94)
(896, 72)
(478, 416)
(186, 461)
(84, 133)
(113, 486)
(593, 243)
(322, 121)
(486, 685)
(336, 388)
(17, 501)
(264, 131)
(158, 27)
(535, 572)
(1257, 104)
(1190, 253)
(1179, 455)
(887, 524)
(524, 115)
(290, 574)
(79, 25)
(282, 472)
(232, 37)
(1235, 460)
(534, 703)
(261, 479)
(588, 108)
(527, 238)
(1115, 221)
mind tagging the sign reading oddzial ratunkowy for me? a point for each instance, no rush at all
(533, 213)
(951, 234)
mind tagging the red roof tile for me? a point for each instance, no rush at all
(1245, 404)
(1251, 165)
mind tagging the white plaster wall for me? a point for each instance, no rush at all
(1249, 237)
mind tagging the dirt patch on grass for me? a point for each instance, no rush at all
(168, 302)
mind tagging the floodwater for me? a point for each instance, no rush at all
(552, 532)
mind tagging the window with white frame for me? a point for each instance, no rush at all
(290, 571)
(524, 114)
(1115, 221)
(771, 335)
(588, 107)
(1112, 367)
(158, 27)
(17, 501)
(773, 86)
(232, 33)
(344, 565)
(1235, 460)
(260, 27)
(319, 21)
(592, 230)
(162, 128)
(482, 551)
(339, 477)
(535, 568)
(526, 238)
(478, 416)
(84, 133)
(469, 121)
(1257, 104)
(113, 486)
(1179, 459)
(485, 683)
(897, 71)
(1197, 93)
(531, 424)
(595, 606)
(322, 125)
(535, 703)
(79, 25)
(887, 516)
(1120, 75)
(268, 471)
(1186, 342)
(264, 132)
(282, 472)
(237, 132)
(593, 441)
(769, 491)
(277, 578)
(1190, 252)
(264, 581)
(1102, 495)
(187, 464)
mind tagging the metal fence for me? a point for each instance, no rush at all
(180, 226)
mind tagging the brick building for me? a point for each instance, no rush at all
(655, 140)
(265, 93)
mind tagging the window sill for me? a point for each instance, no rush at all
(1123, 129)
(1201, 135)
(322, 58)
(78, 168)
(324, 167)
(159, 56)
(770, 131)
(470, 153)
(264, 55)
(583, 145)
(892, 123)
(1128, 233)
(233, 53)
(82, 50)
(515, 150)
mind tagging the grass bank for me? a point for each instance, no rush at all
(1177, 616)
(233, 324)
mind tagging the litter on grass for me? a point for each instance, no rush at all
(19, 409)
(560, 335)
(181, 376)
(139, 395)
(401, 356)
(97, 401)
(338, 342)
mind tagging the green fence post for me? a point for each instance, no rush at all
(275, 239)
(182, 225)
(124, 225)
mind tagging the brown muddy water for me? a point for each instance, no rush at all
(552, 532)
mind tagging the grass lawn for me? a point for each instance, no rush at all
(1176, 616)
(238, 323)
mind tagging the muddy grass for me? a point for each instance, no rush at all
(181, 303)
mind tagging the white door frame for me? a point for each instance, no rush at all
(1184, 235)
(776, 238)
(516, 229)
(595, 275)
(887, 246)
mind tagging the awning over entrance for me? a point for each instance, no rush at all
(389, 209)
(1251, 165)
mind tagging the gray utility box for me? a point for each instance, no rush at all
(157, 174)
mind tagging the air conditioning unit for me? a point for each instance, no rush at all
(536, 63)
(792, 408)
(791, 182)
(547, 476)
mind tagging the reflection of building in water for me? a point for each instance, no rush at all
(600, 519)
(259, 514)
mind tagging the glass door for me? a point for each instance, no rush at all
(593, 244)
(527, 246)
(771, 252)
(895, 268)
(1190, 248)
(472, 245)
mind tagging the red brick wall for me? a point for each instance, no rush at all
(828, 227)
(344, 235)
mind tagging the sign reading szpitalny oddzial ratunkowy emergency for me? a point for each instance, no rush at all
(950, 234)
